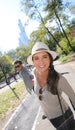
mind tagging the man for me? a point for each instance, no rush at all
(25, 74)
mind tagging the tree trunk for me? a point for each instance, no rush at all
(64, 31)
(50, 32)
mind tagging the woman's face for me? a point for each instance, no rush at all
(41, 61)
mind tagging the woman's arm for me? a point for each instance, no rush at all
(65, 87)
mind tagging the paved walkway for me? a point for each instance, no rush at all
(69, 70)
(43, 124)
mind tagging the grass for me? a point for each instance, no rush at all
(8, 100)
(67, 58)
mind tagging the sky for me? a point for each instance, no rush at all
(10, 12)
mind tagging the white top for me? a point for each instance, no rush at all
(50, 103)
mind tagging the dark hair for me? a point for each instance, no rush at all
(17, 61)
(53, 77)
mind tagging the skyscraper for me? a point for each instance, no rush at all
(23, 39)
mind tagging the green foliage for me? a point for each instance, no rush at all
(30, 7)
(5, 66)
(73, 42)
(65, 45)
(72, 9)
(54, 11)
(8, 100)
(12, 54)
(22, 53)
(64, 58)
(39, 35)
(54, 29)
(0, 53)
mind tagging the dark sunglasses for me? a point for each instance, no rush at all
(17, 66)
(40, 92)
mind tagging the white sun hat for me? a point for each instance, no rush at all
(39, 47)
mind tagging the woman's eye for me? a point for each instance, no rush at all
(35, 58)
(45, 57)
(40, 58)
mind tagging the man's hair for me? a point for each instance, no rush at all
(17, 61)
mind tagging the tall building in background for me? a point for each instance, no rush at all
(23, 39)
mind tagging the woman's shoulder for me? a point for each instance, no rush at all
(62, 82)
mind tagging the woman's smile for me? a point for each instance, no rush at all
(41, 60)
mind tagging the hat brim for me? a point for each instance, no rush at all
(53, 53)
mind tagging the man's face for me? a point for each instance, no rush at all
(18, 67)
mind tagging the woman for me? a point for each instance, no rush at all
(49, 85)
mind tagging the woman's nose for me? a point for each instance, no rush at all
(41, 60)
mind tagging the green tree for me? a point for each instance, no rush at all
(32, 8)
(42, 35)
(5, 66)
(22, 53)
(55, 11)
(12, 54)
